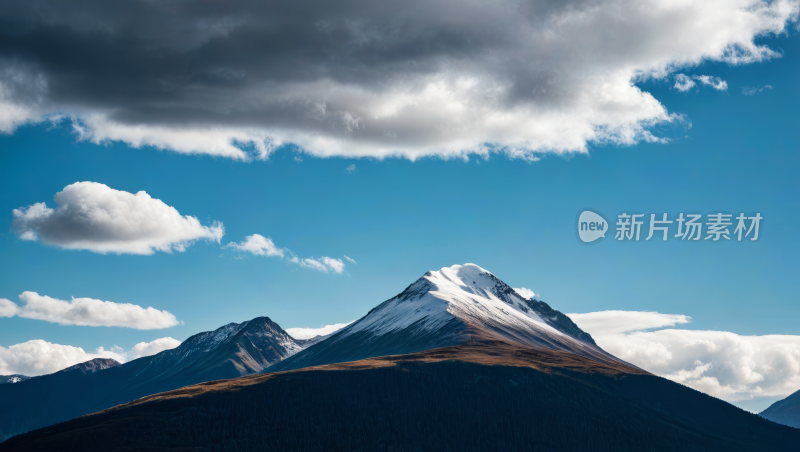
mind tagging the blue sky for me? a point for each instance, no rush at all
(399, 218)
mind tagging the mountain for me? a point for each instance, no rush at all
(786, 411)
(91, 366)
(12, 378)
(455, 305)
(231, 351)
(483, 396)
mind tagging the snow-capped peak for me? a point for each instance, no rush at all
(451, 306)
(483, 302)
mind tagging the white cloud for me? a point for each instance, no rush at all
(38, 357)
(683, 83)
(261, 246)
(750, 90)
(151, 348)
(95, 217)
(714, 82)
(351, 169)
(352, 261)
(719, 363)
(14, 115)
(257, 244)
(216, 141)
(323, 264)
(86, 312)
(528, 294)
(617, 322)
(8, 308)
(308, 333)
(519, 79)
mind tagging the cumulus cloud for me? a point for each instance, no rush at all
(8, 308)
(86, 312)
(38, 357)
(257, 244)
(308, 333)
(150, 348)
(351, 169)
(92, 216)
(528, 294)
(722, 364)
(352, 261)
(360, 78)
(323, 264)
(750, 90)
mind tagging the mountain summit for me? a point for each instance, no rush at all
(455, 305)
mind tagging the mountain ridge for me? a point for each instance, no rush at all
(230, 351)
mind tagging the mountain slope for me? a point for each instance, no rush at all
(484, 396)
(231, 351)
(452, 306)
(786, 411)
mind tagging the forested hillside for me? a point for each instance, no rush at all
(458, 398)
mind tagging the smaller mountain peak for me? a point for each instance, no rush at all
(258, 322)
(92, 366)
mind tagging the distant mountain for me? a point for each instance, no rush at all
(12, 378)
(90, 367)
(231, 351)
(786, 411)
(455, 305)
(485, 396)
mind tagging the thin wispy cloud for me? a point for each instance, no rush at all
(397, 79)
(86, 312)
(714, 82)
(684, 83)
(323, 264)
(722, 364)
(751, 90)
(259, 245)
(95, 217)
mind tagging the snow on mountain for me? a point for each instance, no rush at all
(248, 347)
(4, 379)
(451, 306)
